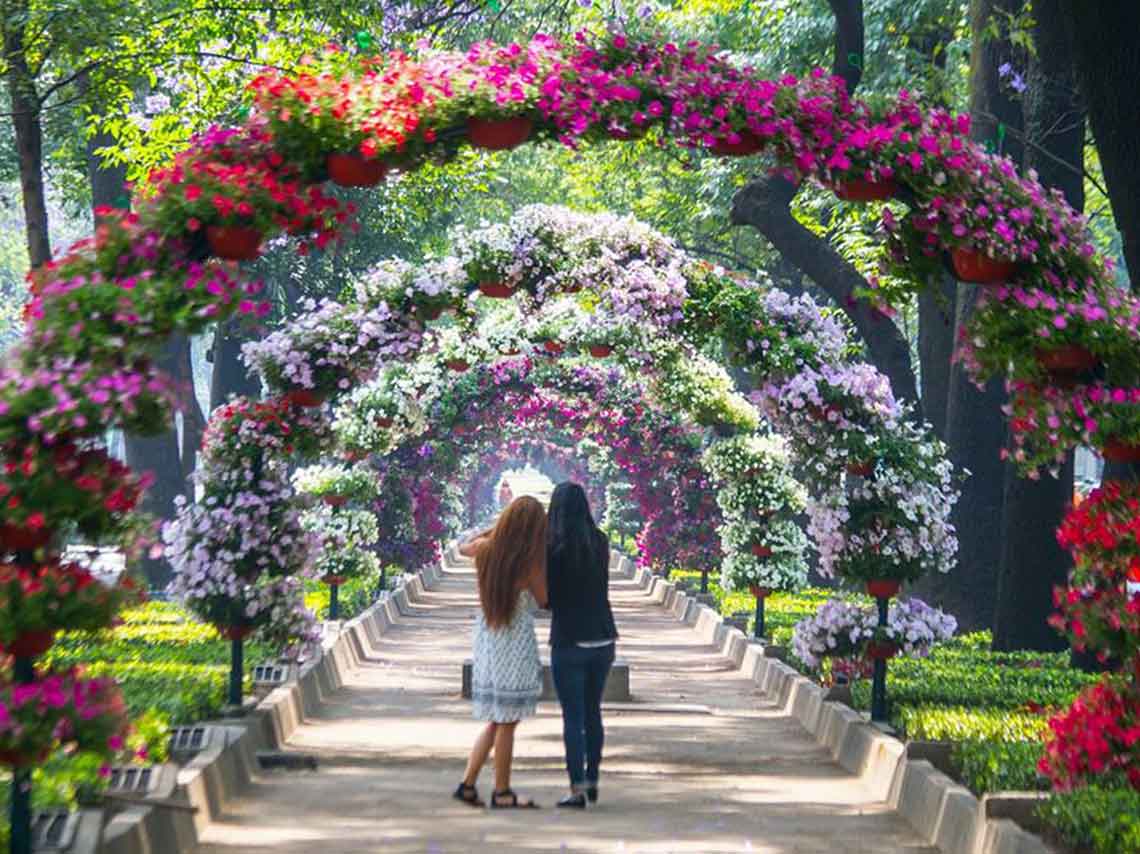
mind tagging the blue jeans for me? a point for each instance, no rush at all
(580, 678)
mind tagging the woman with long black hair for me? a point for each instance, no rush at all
(582, 633)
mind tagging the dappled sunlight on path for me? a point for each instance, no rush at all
(698, 762)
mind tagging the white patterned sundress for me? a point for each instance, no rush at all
(506, 678)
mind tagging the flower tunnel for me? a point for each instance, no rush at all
(1051, 320)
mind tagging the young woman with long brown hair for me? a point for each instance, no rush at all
(506, 679)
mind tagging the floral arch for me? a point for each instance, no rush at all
(98, 313)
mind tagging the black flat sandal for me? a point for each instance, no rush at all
(469, 795)
(576, 801)
(513, 804)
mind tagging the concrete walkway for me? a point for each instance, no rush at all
(700, 762)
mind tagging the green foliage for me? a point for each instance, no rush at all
(1103, 819)
(959, 723)
(998, 766)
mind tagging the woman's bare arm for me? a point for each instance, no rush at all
(537, 585)
(470, 547)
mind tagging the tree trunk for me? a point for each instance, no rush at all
(230, 375)
(193, 420)
(1107, 65)
(28, 130)
(936, 349)
(975, 426)
(1032, 562)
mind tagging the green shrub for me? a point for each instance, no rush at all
(1102, 819)
(997, 766)
(959, 723)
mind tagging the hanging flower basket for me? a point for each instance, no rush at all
(18, 538)
(883, 588)
(234, 242)
(822, 413)
(353, 170)
(334, 580)
(573, 288)
(499, 134)
(335, 500)
(1117, 451)
(760, 550)
(232, 633)
(305, 398)
(979, 268)
(1066, 361)
(496, 290)
(747, 145)
(554, 348)
(861, 469)
(458, 365)
(385, 423)
(514, 351)
(759, 592)
(18, 759)
(600, 351)
(31, 644)
(881, 650)
(862, 190)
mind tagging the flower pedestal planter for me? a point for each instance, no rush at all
(496, 290)
(761, 594)
(236, 634)
(499, 134)
(1118, 451)
(761, 551)
(862, 190)
(18, 538)
(600, 351)
(747, 144)
(1066, 362)
(882, 589)
(234, 242)
(305, 398)
(352, 170)
(458, 365)
(980, 269)
(31, 644)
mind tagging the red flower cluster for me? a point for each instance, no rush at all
(1099, 734)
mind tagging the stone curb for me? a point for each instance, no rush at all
(944, 813)
(225, 769)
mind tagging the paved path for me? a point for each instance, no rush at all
(698, 763)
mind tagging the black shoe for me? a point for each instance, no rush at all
(592, 794)
(576, 801)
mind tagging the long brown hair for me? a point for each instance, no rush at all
(515, 547)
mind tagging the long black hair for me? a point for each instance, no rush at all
(571, 532)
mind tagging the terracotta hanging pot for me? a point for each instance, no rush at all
(499, 134)
(458, 365)
(353, 170)
(979, 268)
(881, 650)
(748, 144)
(335, 500)
(862, 190)
(234, 242)
(305, 398)
(496, 290)
(1067, 360)
(861, 469)
(552, 347)
(384, 423)
(31, 644)
(19, 538)
(600, 351)
(334, 580)
(759, 592)
(883, 588)
(1117, 451)
(760, 550)
(240, 632)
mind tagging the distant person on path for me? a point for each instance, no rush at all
(505, 495)
(582, 634)
(506, 678)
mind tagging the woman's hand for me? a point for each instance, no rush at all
(470, 547)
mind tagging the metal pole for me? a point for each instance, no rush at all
(704, 581)
(20, 815)
(334, 602)
(879, 676)
(758, 630)
(237, 672)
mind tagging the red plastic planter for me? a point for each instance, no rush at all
(877, 651)
(748, 144)
(884, 588)
(352, 170)
(384, 423)
(496, 290)
(1116, 451)
(981, 269)
(305, 398)
(552, 347)
(234, 632)
(1066, 360)
(335, 500)
(759, 592)
(862, 190)
(511, 352)
(458, 365)
(234, 242)
(16, 759)
(760, 550)
(334, 580)
(31, 644)
(600, 351)
(499, 134)
(864, 469)
(17, 538)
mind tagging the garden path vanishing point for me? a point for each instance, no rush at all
(699, 762)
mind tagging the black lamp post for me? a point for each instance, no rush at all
(879, 674)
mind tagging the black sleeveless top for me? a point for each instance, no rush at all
(579, 586)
